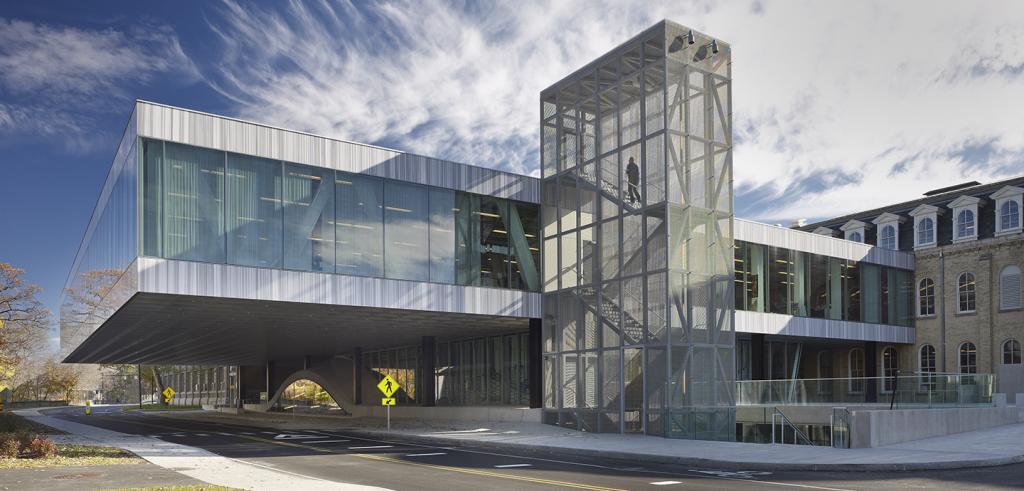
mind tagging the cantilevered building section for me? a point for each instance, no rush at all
(217, 241)
(638, 249)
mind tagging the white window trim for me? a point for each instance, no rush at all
(854, 226)
(884, 220)
(919, 214)
(825, 231)
(1020, 294)
(917, 291)
(957, 289)
(960, 204)
(1008, 193)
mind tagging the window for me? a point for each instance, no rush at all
(359, 224)
(856, 237)
(406, 235)
(965, 224)
(1011, 352)
(254, 213)
(887, 237)
(1009, 288)
(968, 358)
(925, 231)
(965, 293)
(926, 297)
(856, 371)
(1009, 215)
(890, 368)
(926, 357)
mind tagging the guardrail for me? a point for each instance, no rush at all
(919, 390)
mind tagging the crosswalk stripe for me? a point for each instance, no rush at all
(426, 454)
(509, 466)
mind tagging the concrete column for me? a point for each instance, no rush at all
(534, 363)
(871, 370)
(357, 376)
(428, 358)
(757, 348)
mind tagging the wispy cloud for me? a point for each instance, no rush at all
(55, 79)
(838, 105)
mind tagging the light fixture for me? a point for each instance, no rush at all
(714, 46)
(689, 38)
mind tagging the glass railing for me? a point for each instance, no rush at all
(904, 391)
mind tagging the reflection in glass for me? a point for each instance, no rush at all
(442, 235)
(406, 231)
(308, 218)
(193, 198)
(254, 211)
(359, 232)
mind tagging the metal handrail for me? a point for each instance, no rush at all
(785, 421)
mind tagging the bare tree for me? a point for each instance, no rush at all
(25, 321)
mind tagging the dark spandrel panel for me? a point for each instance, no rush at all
(406, 231)
(193, 204)
(360, 225)
(254, 213)
(308, 195)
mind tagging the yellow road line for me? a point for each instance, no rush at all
(486, 473)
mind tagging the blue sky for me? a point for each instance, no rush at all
(838, 105)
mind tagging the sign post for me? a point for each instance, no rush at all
(388, 387)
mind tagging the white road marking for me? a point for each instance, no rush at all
(268, 432)
(374, 446)
(508, 466)
(244, 433)
(327, 441)
(201, 434)
(665, 483)
(288, 436)
(426, 454)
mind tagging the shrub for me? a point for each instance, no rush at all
(24, 438)
(9, 446)
(43, 448)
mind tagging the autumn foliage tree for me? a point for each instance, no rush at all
(25, 322)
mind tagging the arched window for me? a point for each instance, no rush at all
(968, 358)
(925, 231)
(887, 237)
(1009, 288)
(926, 297)
(856, 370)
(890, 367)
(965, 293)
(965, 224)
(1011, 352)
(1009, 215)
(856, 237)
(926, 365)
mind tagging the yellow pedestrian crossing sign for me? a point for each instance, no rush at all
(387, 401)
(168, 394)
(388, 386)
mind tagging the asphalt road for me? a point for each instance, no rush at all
(347, 457)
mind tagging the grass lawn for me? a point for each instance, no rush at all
(201, 487)
(12, 423)
(75, 456)
(160, 407)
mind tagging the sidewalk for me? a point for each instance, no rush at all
(193, 462)
(993, 446)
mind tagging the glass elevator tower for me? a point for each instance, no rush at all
(638, 252)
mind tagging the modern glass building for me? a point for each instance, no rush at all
(616, 293)
(638, 249)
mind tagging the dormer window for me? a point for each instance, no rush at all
(926, 219)
(965, 218)
(888, 231)
(853, 230)
(965, 224)
(887, 237)
(1009, 202)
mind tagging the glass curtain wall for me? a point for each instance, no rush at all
(212, 206)
(810, 285)
(483, 371)
(637, 222)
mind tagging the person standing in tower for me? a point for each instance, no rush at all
(633, 181)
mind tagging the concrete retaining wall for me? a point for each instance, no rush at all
(876, 428)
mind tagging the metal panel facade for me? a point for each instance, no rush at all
(760, 233)
(221, 133)
(789, 325)
(228, 281)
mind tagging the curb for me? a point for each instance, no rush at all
(641, 459)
